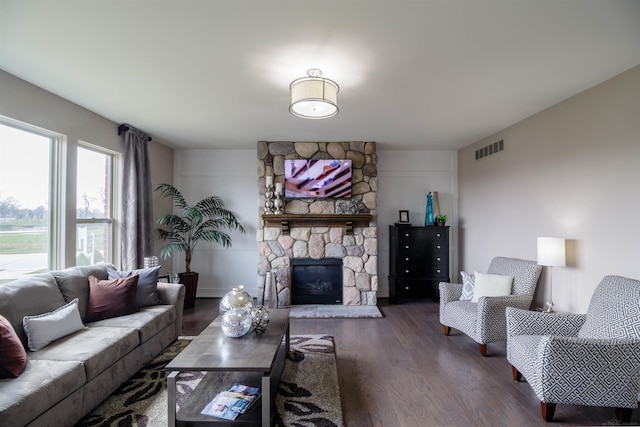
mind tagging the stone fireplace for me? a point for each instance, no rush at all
(321, 229)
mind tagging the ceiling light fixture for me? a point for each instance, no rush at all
(313, 97)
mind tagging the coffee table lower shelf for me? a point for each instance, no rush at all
(189, 414)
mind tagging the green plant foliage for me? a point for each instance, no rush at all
(205, 220)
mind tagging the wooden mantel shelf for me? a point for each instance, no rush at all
(286, 221)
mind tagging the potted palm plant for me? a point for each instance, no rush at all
(205, 220)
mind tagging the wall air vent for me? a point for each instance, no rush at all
(490, 149)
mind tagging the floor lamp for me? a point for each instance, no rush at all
(551, 253)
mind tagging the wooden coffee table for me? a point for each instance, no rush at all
(256, 360)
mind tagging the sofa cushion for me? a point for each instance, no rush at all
(74, 283)
(42, 384)
(96, 348)
(26, 297)
(111, 298)
(147, 293)
(45, 328)
(148, 321)
(13, 356)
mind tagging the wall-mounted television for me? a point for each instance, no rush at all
(320, 178)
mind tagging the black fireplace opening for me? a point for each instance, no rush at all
(316, 281)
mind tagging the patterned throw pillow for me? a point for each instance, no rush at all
(468, 286)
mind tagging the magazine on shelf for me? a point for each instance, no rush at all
(233, 402)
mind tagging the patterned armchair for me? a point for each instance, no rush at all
(484, 321)
(582, 359)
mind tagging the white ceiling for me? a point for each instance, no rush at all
(412, 74)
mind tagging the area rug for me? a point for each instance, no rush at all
(308, 394)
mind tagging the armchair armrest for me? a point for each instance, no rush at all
(606, 371)
(525, 322)
(173, 294)
(449, 292)
(491, 322)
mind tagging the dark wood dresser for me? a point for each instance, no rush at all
(419, 261)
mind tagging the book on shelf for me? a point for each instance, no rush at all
(229, 404)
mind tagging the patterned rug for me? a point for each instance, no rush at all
(308, 394)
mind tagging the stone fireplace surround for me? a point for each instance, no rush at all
(357, 247)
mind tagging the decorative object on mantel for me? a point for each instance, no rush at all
(204, 220)
(237, 297)
(236, 322)
(313, 97)
(279, 202)
(440, 220)
(268, 195)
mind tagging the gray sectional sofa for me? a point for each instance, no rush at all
(66, 379)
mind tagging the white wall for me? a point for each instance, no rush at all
(573, 171)
(404, 179)
(232, 175)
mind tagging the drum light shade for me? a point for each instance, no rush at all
(313, 97)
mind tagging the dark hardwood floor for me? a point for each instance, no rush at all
(402, 371)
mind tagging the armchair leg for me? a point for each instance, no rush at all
(517, 376)
(483, 350)
(548, 409)
(624, 414)
(447, 330)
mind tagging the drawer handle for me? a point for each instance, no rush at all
(438, 258)
(438, 234)
(438, 247)
(406, 235)
(407, 247)
(406, 259)
(407, 288)
(438, 270)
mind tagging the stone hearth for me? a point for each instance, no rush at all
(357, 249)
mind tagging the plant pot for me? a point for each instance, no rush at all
(190, 282)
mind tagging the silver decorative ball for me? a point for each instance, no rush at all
(236, 322)
(260, 318)
(236, 298)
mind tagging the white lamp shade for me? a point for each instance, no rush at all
(313, 98)
(551, 251)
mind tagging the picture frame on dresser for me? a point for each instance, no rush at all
(403, 217)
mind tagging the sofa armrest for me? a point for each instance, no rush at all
(525, 322)
(173, 294)
(591, 366)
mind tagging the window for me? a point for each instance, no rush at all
(25, 200)
(94, 207)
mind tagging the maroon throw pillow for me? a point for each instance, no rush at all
(111, 298)
(13, 356)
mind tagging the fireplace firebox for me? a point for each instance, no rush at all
(316, 281)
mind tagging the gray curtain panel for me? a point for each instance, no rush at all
(137, 212)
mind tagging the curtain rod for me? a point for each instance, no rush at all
(124, 128)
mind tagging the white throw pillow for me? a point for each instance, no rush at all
(45, 328)
(491, 285)
(468, 285)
